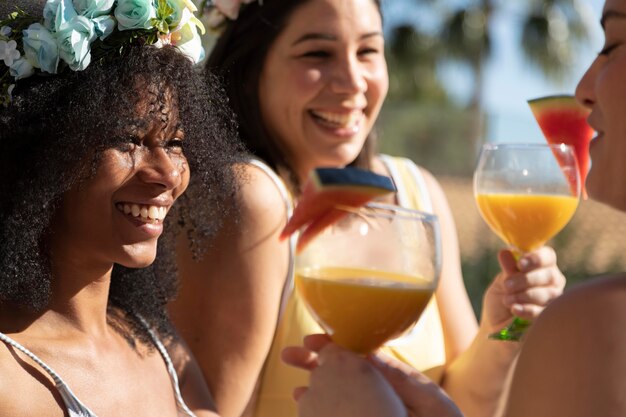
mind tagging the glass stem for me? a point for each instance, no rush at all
(514, 331)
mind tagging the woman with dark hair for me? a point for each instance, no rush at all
(307, 80)
(572, 363)
(98, 139)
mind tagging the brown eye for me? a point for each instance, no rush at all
(175, 145)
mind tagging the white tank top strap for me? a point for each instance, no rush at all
(170, 368)
(288, 200)
(75, 408)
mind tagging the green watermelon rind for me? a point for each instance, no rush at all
(561, 102)
(351, 180)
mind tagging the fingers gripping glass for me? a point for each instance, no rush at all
(526, 194)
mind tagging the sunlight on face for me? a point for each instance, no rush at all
(323, 82)
(116, 216)
(603, 90)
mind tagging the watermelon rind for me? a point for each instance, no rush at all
(354, 179)
(561, 101)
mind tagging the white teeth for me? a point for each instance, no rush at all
(153, 212)
(144, 213)
(343, 120)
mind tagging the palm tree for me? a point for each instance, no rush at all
(550, 32)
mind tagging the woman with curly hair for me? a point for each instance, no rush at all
(91, 164)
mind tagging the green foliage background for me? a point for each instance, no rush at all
(421, 121)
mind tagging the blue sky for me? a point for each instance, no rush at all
(509, 81)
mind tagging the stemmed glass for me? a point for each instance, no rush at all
(526, 193)
(368, 278)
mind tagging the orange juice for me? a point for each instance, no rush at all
(360, 308)
(526, 221)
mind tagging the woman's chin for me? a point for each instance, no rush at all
(138, 260)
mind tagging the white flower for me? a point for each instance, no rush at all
(21, 68)
(186, 38)
(179, 7)
(188, 41)
(9, 52)
(5, 30)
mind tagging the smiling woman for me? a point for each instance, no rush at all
(572, 363)
(307, 79)
(91, 165)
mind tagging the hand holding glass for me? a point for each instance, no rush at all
(368, 278)
(526, 194)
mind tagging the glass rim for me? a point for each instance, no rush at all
(403, 213)
(530, 146)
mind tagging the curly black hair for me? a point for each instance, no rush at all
(56, 123)
(238, 57)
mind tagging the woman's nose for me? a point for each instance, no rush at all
(585, 90)
(161, 168)
(349, 77)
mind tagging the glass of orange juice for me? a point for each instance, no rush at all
(526, 193)
(368, 278)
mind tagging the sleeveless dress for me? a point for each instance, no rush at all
(423, 347)
(75, 408)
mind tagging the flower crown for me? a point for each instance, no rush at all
(75, 32)
(221, 10)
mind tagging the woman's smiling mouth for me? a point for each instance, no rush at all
(345, 121)
(142, 212)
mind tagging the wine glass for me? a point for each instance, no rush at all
(526, 193)
(367, 278)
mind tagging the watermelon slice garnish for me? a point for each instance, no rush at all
(563, 120)
(325, 192)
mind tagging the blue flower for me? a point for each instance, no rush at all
(58, 12)
(134, 14)
(21, 68)
(93, 8)
(9, 52)
(40, 48)
(74, 39)
(104, 26)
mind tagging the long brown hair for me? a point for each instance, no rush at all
(238, 59)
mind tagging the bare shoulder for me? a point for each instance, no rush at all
(573, 360)
(24, 389)
(593, 307)
(260, 194)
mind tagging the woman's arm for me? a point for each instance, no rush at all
(229, 300)
(477, 368)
